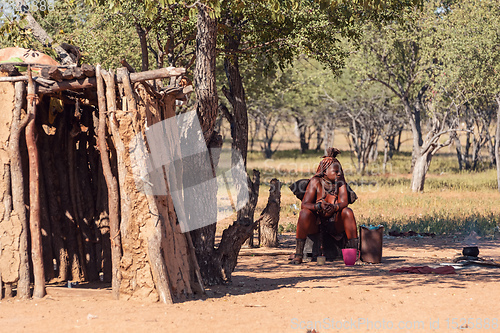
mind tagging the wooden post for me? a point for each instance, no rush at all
(194, 261)
(129, 95)
(116, 243)
(34, 187)
(17, 179)
(109, 78)
(113, 199)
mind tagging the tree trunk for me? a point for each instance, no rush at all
(17, 178)
(239, 124)
(236, 96)
(204, 238)
(270, 216)
(491, 148)
(113, 197)
(144, 47)
(497, 143)
(254, 132)
(249, 210)
(413, 115)
(398, 146)
(373, 152)
(460, 155)
(36, 236)
(386, 156)
(206, 108)
(204, 74)
(319, 137)
(419, 172)
(302, 129)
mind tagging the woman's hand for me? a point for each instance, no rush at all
(329, 208)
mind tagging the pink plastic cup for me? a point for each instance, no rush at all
(350, 256)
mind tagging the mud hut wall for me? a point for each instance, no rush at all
(136, 277)
(145, 215)
(173, 242)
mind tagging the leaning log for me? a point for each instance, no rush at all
(43, 37)
(246, 214)
(36, 235)
(113, 198)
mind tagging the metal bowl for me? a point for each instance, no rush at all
(470, 251)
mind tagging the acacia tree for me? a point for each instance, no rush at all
(367, 111)
(402, 57)
(472, 56)
(477, 115)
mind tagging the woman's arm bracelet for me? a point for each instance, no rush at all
(317, 207)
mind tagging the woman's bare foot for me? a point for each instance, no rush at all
(297, 260)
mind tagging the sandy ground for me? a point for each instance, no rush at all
(268, 295)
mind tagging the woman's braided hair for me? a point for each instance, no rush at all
(327, 160)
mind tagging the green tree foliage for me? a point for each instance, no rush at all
(14, 31)
(93, 30)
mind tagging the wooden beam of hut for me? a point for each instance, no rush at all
(34, 188)
(154, 74)
(34, 64)
(52, 73)
(90, 82)
(86, 83)
(11, 70)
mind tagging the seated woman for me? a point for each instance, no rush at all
(325, 201)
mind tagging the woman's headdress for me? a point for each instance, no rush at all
(327, 160)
